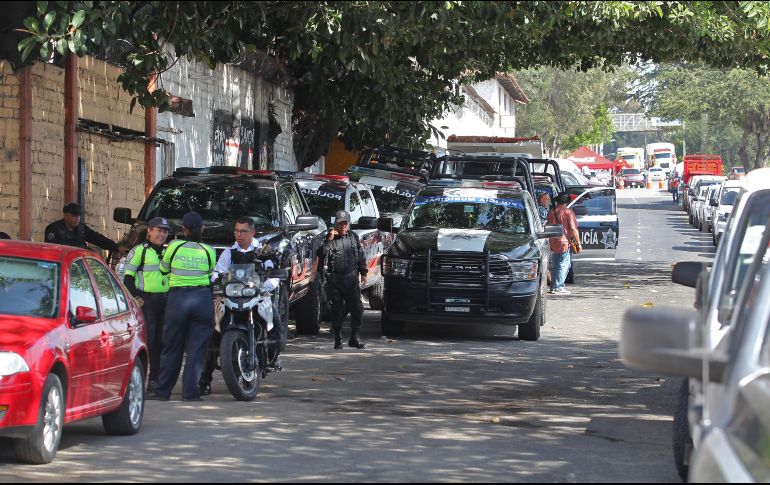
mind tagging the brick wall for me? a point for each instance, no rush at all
(9, 150)
(102, 99)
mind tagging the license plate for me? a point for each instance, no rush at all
(458, 309)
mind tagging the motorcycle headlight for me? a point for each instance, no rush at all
(12, 363)
(524, 271)
(396, 266)
(249, 292)
(234, 290)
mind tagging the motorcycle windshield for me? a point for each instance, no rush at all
(243, 273)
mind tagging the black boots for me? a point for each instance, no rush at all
(338, 339)
(355, 341)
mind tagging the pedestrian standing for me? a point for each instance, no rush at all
(560, 246)
(543, 207)
(342, 261)
(189, 311)
(145, 281)
(69, 231)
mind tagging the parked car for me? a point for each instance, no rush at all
(632, 177)
(696, 183)
(704, 210)
(731, 431)
(717, 295)
(736, 173)
(72, 347)
(656, 174)
(223, 194)
(721, 211)
(326, 195)
(471, 254)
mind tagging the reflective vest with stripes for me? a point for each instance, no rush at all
(188, 263)
(143, 263)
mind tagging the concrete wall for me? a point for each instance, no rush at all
(230, 107)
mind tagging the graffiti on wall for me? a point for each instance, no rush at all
(232, 141)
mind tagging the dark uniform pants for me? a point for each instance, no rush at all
(344, 291)
(154, 310)
(189, 324)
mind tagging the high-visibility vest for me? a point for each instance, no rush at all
(143, 263)
(188, 264)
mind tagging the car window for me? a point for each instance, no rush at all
(119, 294)
(498, 214)
(747, 243)
(29, 287)
(81, 290)
(107, 296)
(534, 214)
(729, 196)
(356, 209)
(291, 205)
(595, 203)
(370, 208)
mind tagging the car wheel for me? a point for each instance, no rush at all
(376, 293)
(681, 439)
(389, 327)
(127, 420)
(309, 312)
(530, 331)
(41, 445)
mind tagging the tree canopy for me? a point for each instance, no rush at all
(378, 72)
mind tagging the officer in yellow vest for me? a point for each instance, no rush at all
(144, 280)
(189, 311)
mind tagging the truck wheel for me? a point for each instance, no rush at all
(571, 276)
(376, 294)
(530, 331)
(41, 445)
(127, 420)
(391, 328)
(309, 312)
(681, 439)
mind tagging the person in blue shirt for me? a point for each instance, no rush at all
(543, 206)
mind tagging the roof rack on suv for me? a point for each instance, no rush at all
(219, 170)
(483, 168)
(388, 159)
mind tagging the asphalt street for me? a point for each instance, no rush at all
(438, 404)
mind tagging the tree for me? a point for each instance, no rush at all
(374, 72)
(729, 110)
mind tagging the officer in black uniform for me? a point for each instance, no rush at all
(70, 232)
(342, 261)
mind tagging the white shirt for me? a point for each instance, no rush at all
(223, 265)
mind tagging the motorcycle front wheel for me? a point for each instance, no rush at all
(234, 360)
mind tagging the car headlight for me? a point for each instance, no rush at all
(524, 270)
(234, 290)
(396, 266)
(249, 292)
(12, 363)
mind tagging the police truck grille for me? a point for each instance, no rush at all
(455, 269)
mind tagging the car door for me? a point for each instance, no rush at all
(119, 324)
(86, 354)
(292, 206)
(596, 212)
(371, 239)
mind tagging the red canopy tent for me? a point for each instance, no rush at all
(585, 157)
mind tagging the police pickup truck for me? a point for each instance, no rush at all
(223, 194)
(469, 254)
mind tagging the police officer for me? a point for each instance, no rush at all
(69, 231)
(145, 281)
(189, 310)
(342, 261)
(246, 250)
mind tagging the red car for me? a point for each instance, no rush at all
(72, 346)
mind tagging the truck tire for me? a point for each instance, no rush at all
(309, 312)
(376, 294)
(41, 445)
(127, 419)
(389, 327)
(530, 331)
(681, 439)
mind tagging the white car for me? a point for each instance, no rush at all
(656, 174)
(727, 195)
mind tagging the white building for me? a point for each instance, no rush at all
(489, 110)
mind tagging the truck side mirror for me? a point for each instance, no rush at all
(123, 215)
(385, 224)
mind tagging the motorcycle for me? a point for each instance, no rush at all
(254, 327)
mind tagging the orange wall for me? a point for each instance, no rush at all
(339, 158)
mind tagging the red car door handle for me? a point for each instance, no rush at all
(105, 339)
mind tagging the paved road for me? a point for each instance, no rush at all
(435, 405)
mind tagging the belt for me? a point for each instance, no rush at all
(187, 288)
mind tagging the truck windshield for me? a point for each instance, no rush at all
(392, 200)
(324, 201)
(214, 201)
(631, 171)
(505, 215)
(29, 288)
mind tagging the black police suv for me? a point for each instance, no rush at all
(223, 194)
(469, 253)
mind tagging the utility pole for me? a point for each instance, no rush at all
(684, 146)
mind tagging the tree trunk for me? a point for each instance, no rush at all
(743, 150)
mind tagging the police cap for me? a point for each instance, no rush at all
(342, 216)
(192, 221)
(72, 209)
(161, 222)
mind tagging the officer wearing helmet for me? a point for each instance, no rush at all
(145, 281)
(342, 261)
